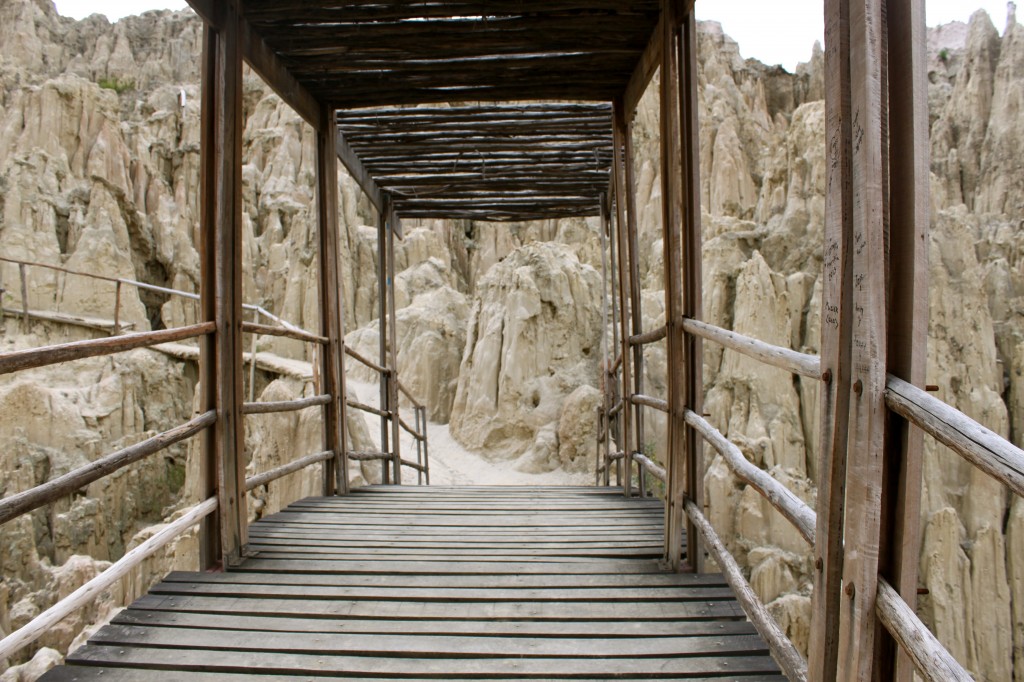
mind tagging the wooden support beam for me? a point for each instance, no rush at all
(635, 307)
(354, 165)
(221, 371)
(672, 222)
(858, 625)
(382, 338)
(620, 131)
(335, 471)
(263, 60)
(692, 284)
(907, 296)
(392, 227)
(643, 72)
(836, 320)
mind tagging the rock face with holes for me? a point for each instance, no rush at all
(534, 336)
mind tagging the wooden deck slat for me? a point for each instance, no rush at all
(440, 668)
(439, 583)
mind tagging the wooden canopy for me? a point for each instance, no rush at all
(494, 162)
(359, 53)
(447, 108)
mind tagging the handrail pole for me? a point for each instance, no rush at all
(394, 403)
(24, 296)
(620, 131)
(382, 328)
(117, 308)
(252, 364)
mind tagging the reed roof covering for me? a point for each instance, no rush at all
(393, 67)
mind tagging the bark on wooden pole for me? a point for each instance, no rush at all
(221, 370)
(335, 471)
(635, 308)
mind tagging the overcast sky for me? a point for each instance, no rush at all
(774, 32)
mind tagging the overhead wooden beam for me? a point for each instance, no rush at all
(643, 73)
(265, 62)
(354, 165)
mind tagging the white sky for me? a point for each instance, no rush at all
(774, 32)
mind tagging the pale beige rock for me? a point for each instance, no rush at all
(533, 337)
(577, 428)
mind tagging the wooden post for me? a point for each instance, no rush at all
(393, 399)
(24, 295)
(907, 295)
(382, 328)
(604, 423)
(117, 308)
(619, 133)
(836, 319)
(632, 257)
(692, 284)
(252, 358)
(335, 471)
(858, 624)
(672, 219)
(221, 368)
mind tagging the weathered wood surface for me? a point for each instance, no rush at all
(549, 583)
(782, 649)
(785, 501)
(932, 660)
(776, 356)
(270, 330)
(270, 407)
(976, 443)
(17, 504)
(30, 358)
(91, 590)
(266, 477)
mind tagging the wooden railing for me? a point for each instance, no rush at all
(975, 443)
(23, 502)
(389, 412)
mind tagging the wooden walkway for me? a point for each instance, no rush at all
(438, 583)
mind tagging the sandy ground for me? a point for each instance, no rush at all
(452, 464)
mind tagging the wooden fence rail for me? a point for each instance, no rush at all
(291, 467)
(790, 360)
(31, 358)
(24, 502)
(780, 497)
(652, 336)
(285, 405)
(270, 330)
(92, 589)
(782, 650)
(649, 401)
(979, 445)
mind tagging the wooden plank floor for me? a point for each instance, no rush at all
(438, 583)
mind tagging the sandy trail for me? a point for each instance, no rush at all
(452, 464)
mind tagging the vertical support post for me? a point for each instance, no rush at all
(604, 421)
(858, 624)
(117, 308)
(335, 471)
(619, 133)
(693, 348)
(672, 219)
(837, 314)
(632, 256)
(252, 358)
(24, 295)
(221, 369)
(382, 328)
(393, 399)
(907, 295)
(421, 430)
